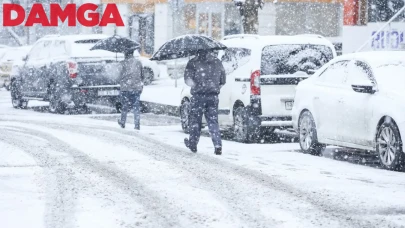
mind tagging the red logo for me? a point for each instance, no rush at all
(37, 15)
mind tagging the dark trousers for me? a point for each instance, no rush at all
(131, 99)
(207, 105)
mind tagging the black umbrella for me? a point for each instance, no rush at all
(117, 44)
(187, 45)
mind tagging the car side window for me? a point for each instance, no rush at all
(335, 73)
(59, 48)
(359, 73)
(44, 53)
(35, 51)
(233, 58)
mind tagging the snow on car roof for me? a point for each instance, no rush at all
(73, 38)
(262, 41)
(375, 58)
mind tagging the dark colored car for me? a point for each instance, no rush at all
(63, 71)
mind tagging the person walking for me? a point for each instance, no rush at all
(131, 86)
(205, 74)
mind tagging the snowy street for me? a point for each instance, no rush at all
(84, 171)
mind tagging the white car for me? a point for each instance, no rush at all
(355, 101)
(10, 61)
(262, 73)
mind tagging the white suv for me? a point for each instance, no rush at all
(262, 73)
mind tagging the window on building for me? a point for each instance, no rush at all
(233, 22)
(384, 10)
(190, 17)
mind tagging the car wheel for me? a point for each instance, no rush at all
(308, 136)
(82, 109)
(16, 100)
(389, 146)
(55, 104)
(148, 76)
(242, 130)
(185, 115)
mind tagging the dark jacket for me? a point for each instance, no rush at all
(131, 76)
(205, 74)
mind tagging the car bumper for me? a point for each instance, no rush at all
(276, 121)
(89, 94)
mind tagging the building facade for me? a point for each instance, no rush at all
(363, 21)
(153, 22)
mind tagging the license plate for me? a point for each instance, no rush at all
(108, 92)
(289, 105)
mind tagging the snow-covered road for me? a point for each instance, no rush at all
(84, 171)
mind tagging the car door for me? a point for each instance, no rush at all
(28, 72)
(357, 105)
(42, 67)
(330, 88)
(233, 59)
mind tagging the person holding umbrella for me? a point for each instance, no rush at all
(131, 86)
(205, 74)
(130, 78)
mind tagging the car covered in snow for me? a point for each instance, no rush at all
(64, 71)
(356, 101)
(11, 58)
(262, 73)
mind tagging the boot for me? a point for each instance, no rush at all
(218, 151)
(121, 124)
(187, 143)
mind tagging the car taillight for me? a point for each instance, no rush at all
(72, 69)
(255, 83)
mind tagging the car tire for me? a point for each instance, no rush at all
(55, 104)
(148, 76)
(308, 138)
(242, 130)
(185, 115)
(82, 109)
(389, 146)
(16, 97)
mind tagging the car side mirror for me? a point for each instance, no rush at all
(370, 89)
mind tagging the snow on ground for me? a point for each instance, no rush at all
(84, 171)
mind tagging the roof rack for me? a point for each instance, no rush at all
(242, 36)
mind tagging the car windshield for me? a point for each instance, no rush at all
(288, 59)
(391, 75)
(13, 55)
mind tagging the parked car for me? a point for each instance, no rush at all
(355, 101)
(150, 69)
(262, 72)
(63, 71)
(12, 57)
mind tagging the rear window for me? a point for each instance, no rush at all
(288, 59)
(233, 58)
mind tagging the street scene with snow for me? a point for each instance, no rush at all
(255, 113)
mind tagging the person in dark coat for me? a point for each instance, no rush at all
(205, 74)
(131, 86)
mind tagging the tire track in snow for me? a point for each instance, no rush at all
(258, 189)
(162, 212)
(60, 183)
